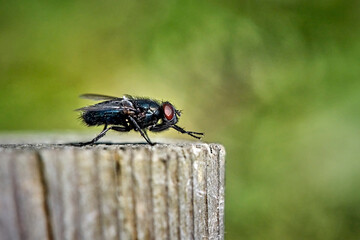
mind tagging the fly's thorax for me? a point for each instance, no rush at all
(127, 107)
(151, 116)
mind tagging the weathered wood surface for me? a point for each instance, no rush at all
(130, 191)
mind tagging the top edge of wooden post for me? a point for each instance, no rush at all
(109, 145)
(69, 140)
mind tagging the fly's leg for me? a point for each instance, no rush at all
(120, 129)
(159, 127)
(103, 132)
(143, 133)
(177, 128)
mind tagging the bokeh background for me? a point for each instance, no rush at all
(276, 82)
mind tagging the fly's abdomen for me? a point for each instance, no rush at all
(95, 118)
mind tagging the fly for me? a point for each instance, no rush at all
(127, 113)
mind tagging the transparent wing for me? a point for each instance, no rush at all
(97, 97)
(99, 108)
(113, 105)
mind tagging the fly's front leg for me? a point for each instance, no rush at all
(159, 127)
(177, 128)
(143, 133)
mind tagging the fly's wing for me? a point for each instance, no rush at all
(97, 108)
(108, 112)
(97, 97)
(113, 105)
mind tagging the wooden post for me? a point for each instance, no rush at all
(131, 191)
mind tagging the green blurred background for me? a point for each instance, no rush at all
(276, 82)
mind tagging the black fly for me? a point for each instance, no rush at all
(126, 113)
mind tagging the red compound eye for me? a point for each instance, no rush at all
(168, 111)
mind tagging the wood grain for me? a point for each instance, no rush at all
(129, 191)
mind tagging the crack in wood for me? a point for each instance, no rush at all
(78, 210)
(98, 193)
(45, 190)
(117, 176)
(166, 164)
(205, 152)
(134, 223)
(192, 194)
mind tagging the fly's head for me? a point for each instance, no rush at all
(170, 114)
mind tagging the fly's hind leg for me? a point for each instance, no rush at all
(103, 132)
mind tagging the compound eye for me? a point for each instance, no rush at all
(168, 111)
